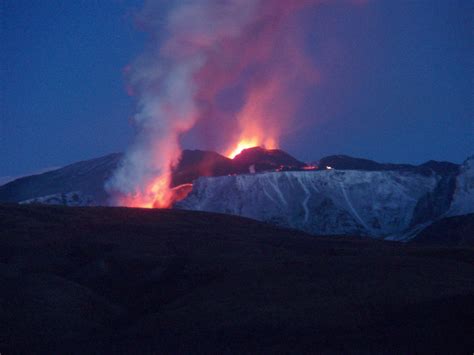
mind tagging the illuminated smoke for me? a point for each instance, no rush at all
(210, 46)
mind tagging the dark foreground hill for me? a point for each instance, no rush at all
(451, 231)
(128, 281)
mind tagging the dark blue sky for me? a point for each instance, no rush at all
(397, 81)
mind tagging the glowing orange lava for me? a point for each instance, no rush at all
(241, 145)
(157, 195)
(160, 190)
(246, 143)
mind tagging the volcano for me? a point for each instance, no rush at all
(199, 163)
(82, 183)
(258, 159)
(196, 163)
(356, 197)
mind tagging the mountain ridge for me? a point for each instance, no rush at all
(333, 200)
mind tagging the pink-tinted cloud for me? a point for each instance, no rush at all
(254, 47)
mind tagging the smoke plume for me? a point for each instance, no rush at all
(252, 50)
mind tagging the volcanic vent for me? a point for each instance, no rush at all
(226, 74)
(197, 163)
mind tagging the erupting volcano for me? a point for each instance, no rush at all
(249, 143)
(248, 52)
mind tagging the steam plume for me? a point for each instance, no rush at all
(210, 46)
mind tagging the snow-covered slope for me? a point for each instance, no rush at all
(463, 198)
(75, 198)
(372, 203)
(84, 179)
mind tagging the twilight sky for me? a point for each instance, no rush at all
(396, 82)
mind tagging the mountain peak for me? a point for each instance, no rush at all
(266, 159)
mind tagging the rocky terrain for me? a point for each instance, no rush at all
(102, 280)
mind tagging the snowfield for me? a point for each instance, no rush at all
(324, 202)
(382, 204)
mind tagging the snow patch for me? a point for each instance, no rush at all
(372, 203)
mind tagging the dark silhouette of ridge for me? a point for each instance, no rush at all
(101, 280)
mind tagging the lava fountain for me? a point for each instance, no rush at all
(201, 49)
